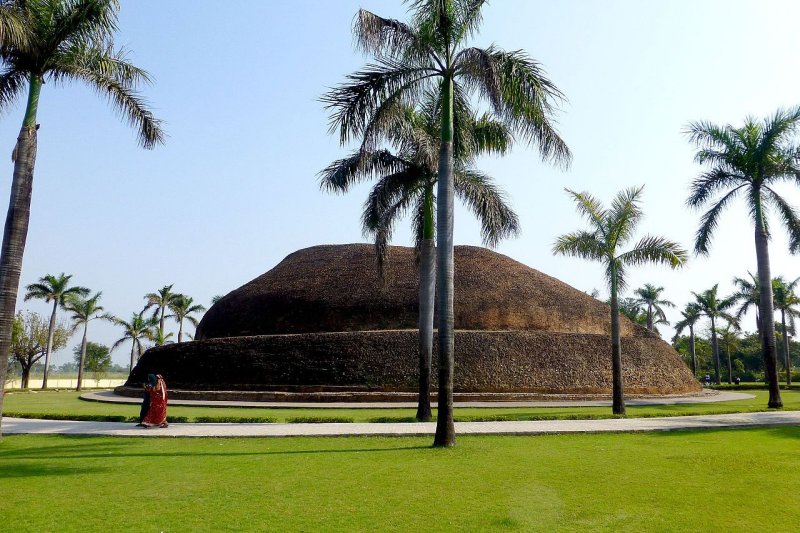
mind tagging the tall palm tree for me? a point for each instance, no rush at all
(58, 41)
(715, 308)
(56, 289)
(430, 53)
(648, 297)
(406, 181)
(84, 310)
(786, 301)
(160, 301)
(138, 328)
(750, 161)
(182, 307)
(691, 314)
(611, 229)
(748, 294)
(729, 337)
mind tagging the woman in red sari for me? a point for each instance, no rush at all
(157, 410)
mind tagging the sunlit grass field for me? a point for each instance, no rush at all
(66, 404)
(677, 481)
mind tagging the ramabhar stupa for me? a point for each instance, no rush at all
(322, 324)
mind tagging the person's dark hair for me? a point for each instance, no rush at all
(151, 380)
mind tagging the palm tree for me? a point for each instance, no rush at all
(610, 229)
(786, 301)
(56, 289)
(750, 160)
(58, 41)
(406, 181)
(84, 310)
(691, 314)
(711, 306)
(160, 301)
(430, 54)
(648, 297)
(136, 329)
(748, 294)
(729, 337)
(182, 307)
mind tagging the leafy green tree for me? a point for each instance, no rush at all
(406, 181)
(182, 308)
(750, 161)
(729, 338)
(691, 314)
(715, 308)
(160, 301)
(84, 310)
(30, 340)
(94, 358)
(54, 289)
(786, 301)
(648, 298)
(431, 54)
(138, 328)
(611, 229)
(59, 41)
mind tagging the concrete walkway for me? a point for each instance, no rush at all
(707, 396)
(765, 419)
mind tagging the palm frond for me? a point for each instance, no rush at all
(489, 204)
(591, 208)
(651, 249)
(709, 222)
(581, 244)
(624, 215)
(383, 37)
(709, 183)
(12, 85)
(360, 166)
(789, 216)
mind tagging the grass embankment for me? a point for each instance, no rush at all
(677, 481)
(67, 405)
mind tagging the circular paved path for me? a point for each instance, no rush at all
(707, 396)
(743, 420)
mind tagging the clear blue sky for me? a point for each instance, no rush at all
(234, 190)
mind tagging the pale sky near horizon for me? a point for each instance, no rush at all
(234, 189)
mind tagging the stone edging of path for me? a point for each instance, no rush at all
(707, 397)
(539, 427)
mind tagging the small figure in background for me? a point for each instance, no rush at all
(156, 415)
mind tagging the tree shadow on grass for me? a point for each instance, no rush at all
(782, 431)
(12, 469)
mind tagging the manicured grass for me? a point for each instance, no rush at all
(700, 481)
(65, 404)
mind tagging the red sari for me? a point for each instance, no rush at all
(157, 412)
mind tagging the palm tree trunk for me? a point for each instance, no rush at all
(427, 293)
(16, 229)
(730, 368)
(161, 323)
(133, 355)
(650, 317)
(83, 356)
(50, 331)
(445, 429)
(617, 387)
(692, 350)
(715, 351)
(180, 331)
(765, 310)
(786, 355)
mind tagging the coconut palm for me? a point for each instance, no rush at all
(138, 328)
(691, 314)
(160, 301)
(59, 41)
(611, 229)
(748, 295)
(648, 298)
(182, 307)
(56, 289)
(715, 308)
(406, 181)
(787, 302)
(729, 338)
(430, 53)
(750, 161)
(84, 310)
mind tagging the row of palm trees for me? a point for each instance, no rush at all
(409, 110)
(85, 307)
(748, 294)
(57, 41)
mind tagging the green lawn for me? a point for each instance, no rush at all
(67, 403)
(707, 480)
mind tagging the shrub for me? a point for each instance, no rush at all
(235, 420)
(319, 419)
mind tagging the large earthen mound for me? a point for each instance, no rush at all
(322, 321)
